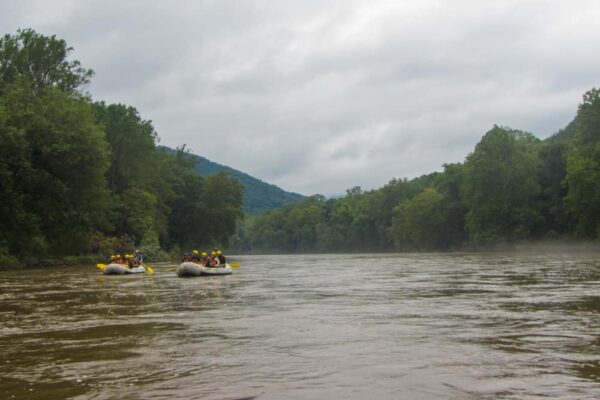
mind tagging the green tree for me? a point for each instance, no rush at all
(186, 225)
(551, 177)
(62, 158)
(52, 173)
(419, 222)
(221, 203)
(500, 187)
(334, 231)
(137, 168)
(132, 142)
(583, 168)
(374, 211)
(41, 61)
(449, 184)
(139, 210)
(19, 226)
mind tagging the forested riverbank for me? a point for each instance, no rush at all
(512, 188)
(81, 177)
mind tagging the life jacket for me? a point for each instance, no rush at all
(214, 261)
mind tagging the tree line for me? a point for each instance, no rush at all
(513, 187)
(80, 177)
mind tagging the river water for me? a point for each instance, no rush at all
(410, 326)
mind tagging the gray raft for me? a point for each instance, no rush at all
(193, 269)
(118, 269)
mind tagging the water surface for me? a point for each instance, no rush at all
(416, 326)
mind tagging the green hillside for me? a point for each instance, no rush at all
(259, 196)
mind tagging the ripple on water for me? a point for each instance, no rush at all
(419, 326)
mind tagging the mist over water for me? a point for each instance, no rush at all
(418, 326)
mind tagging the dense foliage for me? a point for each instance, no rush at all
(512, 187)
(82, 177)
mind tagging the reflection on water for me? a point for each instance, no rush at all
(418, 326)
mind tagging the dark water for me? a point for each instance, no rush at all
(427, 326)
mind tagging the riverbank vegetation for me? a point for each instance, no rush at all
(81, 177)
(512, 188)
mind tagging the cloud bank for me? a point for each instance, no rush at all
(317, 97)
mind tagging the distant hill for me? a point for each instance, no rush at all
(259, 196)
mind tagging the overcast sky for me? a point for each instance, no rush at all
(320, 96)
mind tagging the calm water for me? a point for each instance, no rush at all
(426, 326)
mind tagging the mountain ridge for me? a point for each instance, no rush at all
(259, 196)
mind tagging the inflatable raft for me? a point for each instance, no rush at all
(193, 269)
(119, 269)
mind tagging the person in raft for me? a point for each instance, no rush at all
(128, 261)
(217, 258)
(221, 257)
(186, 258)
(195, 256)
(133, 261)
(138, 256)
(204, 261)
(214, 260)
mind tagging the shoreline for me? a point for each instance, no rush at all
(545, 246)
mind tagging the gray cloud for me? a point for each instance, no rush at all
(322, 96)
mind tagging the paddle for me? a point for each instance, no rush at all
(101, 266)
(234, 265)
(149, 269)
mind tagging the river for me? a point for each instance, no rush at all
(410, 326)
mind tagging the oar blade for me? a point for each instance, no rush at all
(149, 269)
(234, 265)
(101, 266)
